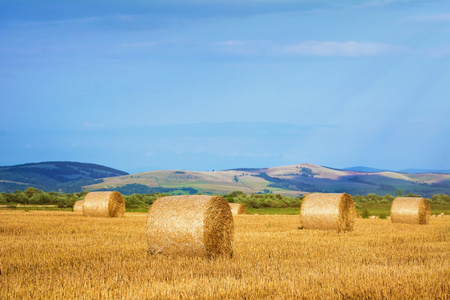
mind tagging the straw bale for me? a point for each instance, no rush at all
(78, 206)
(332, 211)
(410, 210)
(190, 225)
(237, 209)
(355, 212)
(104, 204)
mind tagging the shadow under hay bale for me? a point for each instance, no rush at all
(190, 225)
(238, 209)
(329, 211)
(104, 204)
(410, 210)
(78, 206)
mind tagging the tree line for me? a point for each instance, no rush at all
(33, 196)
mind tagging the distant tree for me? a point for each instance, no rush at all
(29, 192)
(365, 214)
(412, 195)
(399, 193)
(388, 198)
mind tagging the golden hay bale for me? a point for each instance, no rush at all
(355, 212)
(328, 211)
(196, 224)
(78, 206)
(104, 204)
(237, 209)
(410, 210)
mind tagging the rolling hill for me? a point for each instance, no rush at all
(291, 180)
(54, 176)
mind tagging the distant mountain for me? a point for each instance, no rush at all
(54, 176)
(407, 171)
(291, 180)
(364, 169)
(424, 171)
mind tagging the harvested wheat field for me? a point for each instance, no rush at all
(62, 255)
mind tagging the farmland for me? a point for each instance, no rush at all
(62, 255)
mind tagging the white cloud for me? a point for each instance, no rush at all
(88, 124)
(312, 48)
(349, 48)
(439, 52)
(432, 18)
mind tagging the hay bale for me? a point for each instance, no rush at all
(78, 206)
(104, 204)
(328, 211)
(374, 217)
(190, 225)
(237, 209)
(355, 212)
(410, 210)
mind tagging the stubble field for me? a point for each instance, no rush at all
(63, 255)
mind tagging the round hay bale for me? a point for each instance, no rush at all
(104, 204)
(78, 206)
(355, 212)
(333, 211)
(237, 209)
(191, 225)
(410, 210)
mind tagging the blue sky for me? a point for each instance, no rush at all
(202, 85)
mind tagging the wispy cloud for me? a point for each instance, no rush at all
(349, 48)
(445, 17)
(88, 124)
(61, 22)
(313, 48)
(379, 3)
(439, 52)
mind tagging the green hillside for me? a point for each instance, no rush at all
(53, 176)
